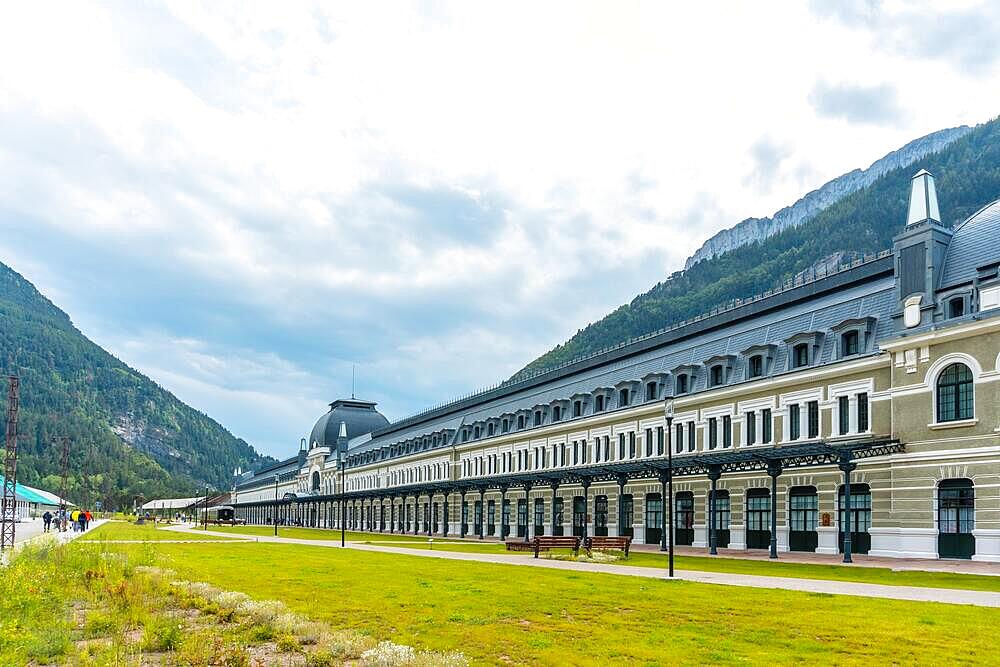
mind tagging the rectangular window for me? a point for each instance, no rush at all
(679, 445)
(751, 423)
(623, 398)
(621, 446)
(599, 403)
(794, 426)
(649, 442)
(659, 441)
(576, 452)
(556, 413)
(727, 431)
(577, 408)
(691, 439)
(538, 417)
(863, 412)
(844, 414)
(631, 444)
(713, 432)
(607, 447)
(813, 407)
(765, 426)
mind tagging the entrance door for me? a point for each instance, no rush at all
(522, 517)
(758, 519)
(539, 516)
(859, 518)
(956, 518)
(477, 517)
(722, 519)
(803, 507)
(684, 518)
(601, 516)
(627, 516)
(491, 517)
(558, 512)
(579, 515)
(654, 518)
(465, 518)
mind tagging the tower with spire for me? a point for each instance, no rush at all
(920, 251)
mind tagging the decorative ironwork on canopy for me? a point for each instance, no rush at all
(810, 454)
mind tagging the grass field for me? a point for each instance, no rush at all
(856, 573)
(120, 530)
(500, 613)
(321, 534)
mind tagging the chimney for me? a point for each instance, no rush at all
(919, 250)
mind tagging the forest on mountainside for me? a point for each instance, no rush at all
(967, 172)
(130, 438)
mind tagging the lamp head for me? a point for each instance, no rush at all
(668, 409)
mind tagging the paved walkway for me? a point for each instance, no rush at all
(912, 593)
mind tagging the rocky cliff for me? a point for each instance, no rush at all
(758, 229)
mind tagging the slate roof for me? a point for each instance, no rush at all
(976, 243)
(865, 291)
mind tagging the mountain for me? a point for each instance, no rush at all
(758, 229)
(129, 436)
(967, 171)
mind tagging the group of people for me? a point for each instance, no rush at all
(61, 521)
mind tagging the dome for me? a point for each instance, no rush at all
(973, 245)
(360, 417)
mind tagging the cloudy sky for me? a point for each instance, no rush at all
(243, 201)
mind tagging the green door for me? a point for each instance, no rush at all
(758, 519)
(859, 519)
(684, 518)
(579, 515)
(956, 519)
(601, 515)
(803, 510)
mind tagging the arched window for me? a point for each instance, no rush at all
(315, 481)
(954, 393)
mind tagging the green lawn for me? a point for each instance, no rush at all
(322, 534)
(504, 613)
(855, 573)
(120, 530)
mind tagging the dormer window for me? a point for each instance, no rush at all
(556, 413)
(520, 422)
(715, 376)
(623, 397)
(755, 367)
(651, 388)
(599, 403)
(504, 426)
(490, 429)
(577, 408)
(800, 355)
(538, 417)
(956, 307)
(682, 384)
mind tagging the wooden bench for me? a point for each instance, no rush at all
(622, 543)
(520, 545)
(546, 542)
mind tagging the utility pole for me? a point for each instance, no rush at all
(8, 508)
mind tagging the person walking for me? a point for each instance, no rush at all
(74, 519)
(81, 519)
(88, 517)
(46, 521)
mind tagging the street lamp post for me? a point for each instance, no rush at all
(275, 505)
(668, 415)
(206, 509)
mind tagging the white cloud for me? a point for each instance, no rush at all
(435, 194)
